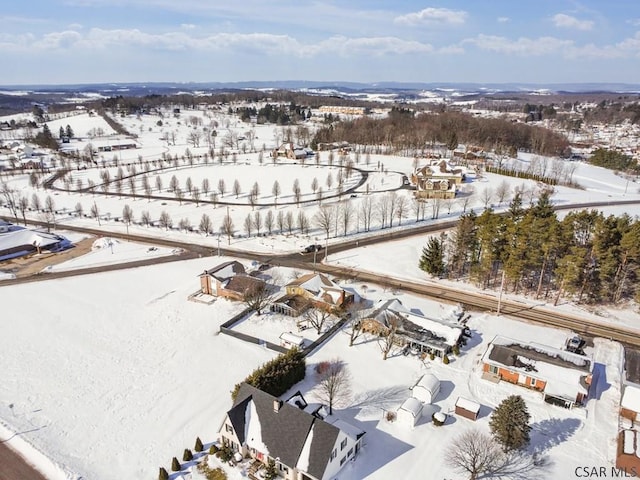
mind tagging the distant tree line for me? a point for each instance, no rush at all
(404, 130)
(613, 160)
(278, 114)
(587, 256)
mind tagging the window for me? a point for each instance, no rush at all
(283, 468)
(350, 452)
(334, 454)
(228, 428)
(342, 460)
(343, 444)
(532, 382)
(493, 369)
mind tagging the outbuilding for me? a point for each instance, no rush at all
(426, 388)
(467, 408)
(291, 340)
(409, 412)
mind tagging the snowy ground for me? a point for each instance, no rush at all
(123, 373)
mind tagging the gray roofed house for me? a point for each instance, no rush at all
(303, 446)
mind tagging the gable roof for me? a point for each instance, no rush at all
(225, 270)
(320, 287)
(296, 437)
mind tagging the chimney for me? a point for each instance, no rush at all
(276, 405)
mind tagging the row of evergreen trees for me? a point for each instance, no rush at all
(586, 255)
(278, 375)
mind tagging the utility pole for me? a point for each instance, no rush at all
(500, 295)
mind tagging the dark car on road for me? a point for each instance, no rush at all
(312, 248)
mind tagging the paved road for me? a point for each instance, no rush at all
(14, 467)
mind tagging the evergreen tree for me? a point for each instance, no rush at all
(187, 456)
(510, 423)
(175, 465)
(69, 131)
(198, 447)
(163, 474)
(432, 259)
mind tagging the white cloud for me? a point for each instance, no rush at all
(634, 21)
(98, 39)
(433, 15)
(503, 19)
(187, 26)
(521, 46)
(567, 21)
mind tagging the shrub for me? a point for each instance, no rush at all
(163, 475)
(198, 446)
(456, 350)
(213, 449)
(187, 455)
(225, 453)
(175, 465)
(435, 421)
(445, 360)
(322, 367)
(391, 416)
(209, 473)
(432, 356)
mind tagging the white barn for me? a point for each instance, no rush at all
(426, 388)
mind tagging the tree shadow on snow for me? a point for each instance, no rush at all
(550, 433)
(473, 341)
(518, 465)
(382, 398)
(599, 381)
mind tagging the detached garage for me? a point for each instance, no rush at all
(427, 388)
(409, 412)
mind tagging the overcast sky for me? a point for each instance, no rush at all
(533, 41)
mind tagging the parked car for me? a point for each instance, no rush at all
(312, 248)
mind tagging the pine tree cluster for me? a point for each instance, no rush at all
(278, 375)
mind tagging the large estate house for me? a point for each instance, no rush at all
(562, 377)
(416, 331)
(438, 179)
(302, 444)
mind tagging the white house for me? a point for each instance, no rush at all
(409, 412)
(291, 340)
(303, 446)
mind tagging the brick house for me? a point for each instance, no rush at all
(228, 280)
(562, 377)
(319, 291)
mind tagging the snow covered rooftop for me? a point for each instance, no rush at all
(413, 406)
(631, 398)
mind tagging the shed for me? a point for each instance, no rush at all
(291, 340)
(409, 412)
(426, 388)
(467, 408)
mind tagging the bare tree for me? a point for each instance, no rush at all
(23, 205)
(158, 183)
(227, 228)
(11, 198)
(382, 208)
(127, 216)
(346, 216)
(248, 225)
(258, 296)
(205, 224)
(146, 185)
(257, 222)
(502, 192)
(237, 190)
(314, 184)
(387, 340)
(280, 221)
(184, 224)
(354, 322)
(179, 194)
(214, 199)
(145, 218)
(35, 202)
(205, 186)
(316, 317)
(303, 222)
(289, 222)
(275, 190)
(95, 212)
(474, 452)
(174, 184)
(334, 383)
(78, 209)
(366, 213)
(401, 208)
(296, 191)
(324, 220)
(269, 221)
(189, 185)
(486, 196)
(165, 220)
(221, 187)
(195, 194)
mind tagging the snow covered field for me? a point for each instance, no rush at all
(118, 372)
